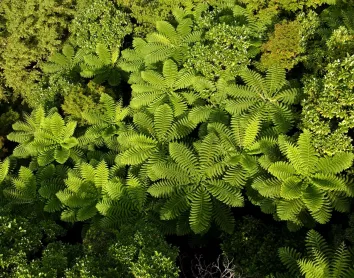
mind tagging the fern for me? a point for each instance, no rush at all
(147, 142)
(65, 63)
(92, 190)
(155, 89)
(243, 144)
(168, 42)
(46, 138)
(321, 261)
(102, 67)
(271, 97)
(106, 124)
(23, 189)
(307, 182)
(193, 185)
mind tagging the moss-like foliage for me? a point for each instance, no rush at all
(34, 29)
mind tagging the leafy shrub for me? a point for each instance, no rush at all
(327, 108)
(253, 251)
(135, 251)
(33, 30)
(22, 238)
(284, 46)
(99, 21)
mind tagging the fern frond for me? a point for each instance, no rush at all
(335, 164)
(174, 207)
(289, 258)
(225, 193)
(201, 211)
(184, 157)
(223, 217)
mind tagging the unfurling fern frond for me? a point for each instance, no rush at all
(305, 183)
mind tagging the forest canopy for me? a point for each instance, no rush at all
(162, 139)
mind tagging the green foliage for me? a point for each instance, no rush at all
(45, 138)
(254, 251)
(168, 42)
(105, 123)
(100, 67)
(22, 238)
(98, 21)
(230, 39)
(284, 46)
(190, 182)
(137, 250)
(306, 182)
(147, 143)
(327, 108)
(321, 260)
(153, 88)
(90, 189)
(80, 100)
(268, 97)
(33, 30)
(220, 54)
(7, 118)
(179, 131)
(29, 248)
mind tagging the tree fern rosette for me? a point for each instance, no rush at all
(168, 42)
(243, 144)
(106, 124)
(148, 141)
(94, 189)
(47, 138)
(321, 261)
(271, 96)
(30, 187)
(155, 89)
(306, 182)
(186, 183)
(102, 67)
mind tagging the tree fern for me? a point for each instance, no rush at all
(154, 88)
(23, 189)
(307, 182)
(192, 185)
(92, 190)
(106, 124)
(321, 261)
(46, 138)
(271, 96)
(168, 42)
(147, 142)
(243, 144)
(65, 63)
(103, 66)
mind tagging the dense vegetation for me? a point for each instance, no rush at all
(170, 138)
